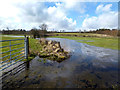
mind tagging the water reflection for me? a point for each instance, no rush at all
(88, 66)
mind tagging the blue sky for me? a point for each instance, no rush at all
(68, 16)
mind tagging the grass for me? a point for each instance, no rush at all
(82, 34)
(32, 47)
(111, 42)
(13, 47)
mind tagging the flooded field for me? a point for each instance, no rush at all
(11, 36)
(88, 66)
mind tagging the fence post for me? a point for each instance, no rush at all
(28, 45)
(26, 48)
(27, 51)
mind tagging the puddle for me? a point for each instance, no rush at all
(89, 66)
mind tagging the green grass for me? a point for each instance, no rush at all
(14, 35)
(8, 48)
(111, 43)
(32, 47)
(81, 34)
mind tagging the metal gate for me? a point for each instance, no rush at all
(10, 56)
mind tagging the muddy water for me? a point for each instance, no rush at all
(88, 66)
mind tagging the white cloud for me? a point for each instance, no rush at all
(31, 13)
(58, 17)
(105, 19)
(27, 14)
(101, 8)
(73, 5)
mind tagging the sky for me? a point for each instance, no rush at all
(68, 15)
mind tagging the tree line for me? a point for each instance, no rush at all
(113, 32)
(36, 33)
(42, 31)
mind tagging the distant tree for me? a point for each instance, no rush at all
(43, 29)
(35, 33)
(53, 29)
(118, 33)
(80, 31)
(24, 30)
(63, 30)
(84, 30)
(7, 28)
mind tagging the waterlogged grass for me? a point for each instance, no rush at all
(82, 34)
(110, 42)
(78, 33)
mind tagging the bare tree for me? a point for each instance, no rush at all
(84, 31)
(79, 30)
(43, 27)
(7, 28)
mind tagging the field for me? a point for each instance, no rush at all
(110, 42)
(106, 42)
(81, 34)
(83, 63)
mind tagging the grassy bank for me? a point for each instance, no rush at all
(111, 43)
(34, 46)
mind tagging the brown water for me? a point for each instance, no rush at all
(88, 66)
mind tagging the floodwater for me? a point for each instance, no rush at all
(12, 36)
(88, 66)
